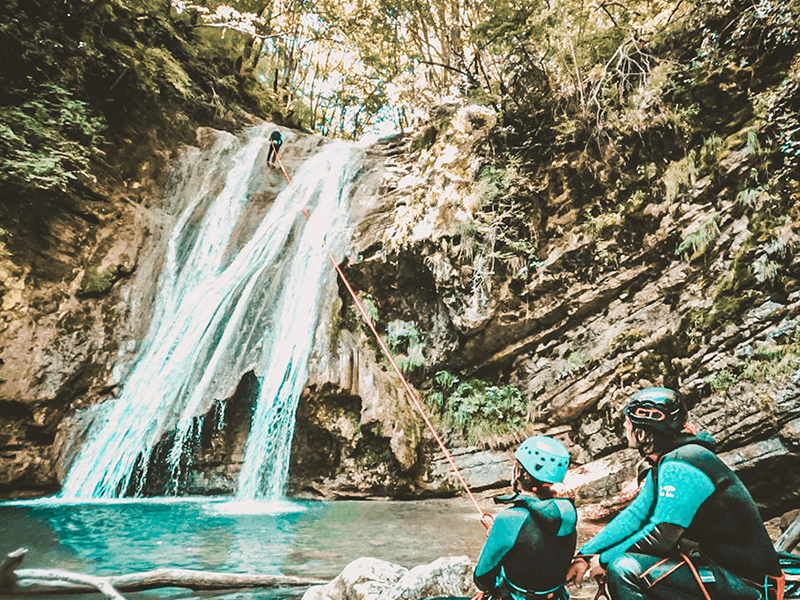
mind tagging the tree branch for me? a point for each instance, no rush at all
(32, 582)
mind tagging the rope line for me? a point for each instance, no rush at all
(486, 518)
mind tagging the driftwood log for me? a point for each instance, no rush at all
(32, 582)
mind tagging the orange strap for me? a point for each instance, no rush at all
(696, 576)
(780, 586)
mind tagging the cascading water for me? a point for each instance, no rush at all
(221, 312)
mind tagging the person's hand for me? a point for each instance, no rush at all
(488, 521)
(577, 571)
(595, 568)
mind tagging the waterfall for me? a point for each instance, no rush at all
(226, 306)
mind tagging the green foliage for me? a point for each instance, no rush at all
(752, 197)
(99, 282)
(710, 152)
(493, 182)
(680, 176)
(767, 363)
(48, 141)
(370, 307)
(499, 230)
(160, 67)
(768, 263)
(477, 409)
(574, 363)
(404, 343)
(596, 225)
(695, 242)
(625, 340)
(722, 380)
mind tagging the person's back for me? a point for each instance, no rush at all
(727, 527)
(530, 545)
(537, 539)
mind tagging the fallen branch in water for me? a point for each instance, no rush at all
(31, 582)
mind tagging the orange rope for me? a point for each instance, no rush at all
(696, 576)
(486, 519)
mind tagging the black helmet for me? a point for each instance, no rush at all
(658, 409)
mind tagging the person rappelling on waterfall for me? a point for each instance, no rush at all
(275, 143)
(531, 544)
(693, 531)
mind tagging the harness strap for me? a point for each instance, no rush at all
(776, 585)
(661, 576)
(696, 576)
(528, 593)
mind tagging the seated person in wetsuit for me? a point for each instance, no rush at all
(530, 545)
(693, 530)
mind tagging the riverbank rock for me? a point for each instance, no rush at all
(375, 579)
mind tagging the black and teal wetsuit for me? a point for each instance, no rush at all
(529, 549)
(691, 499)
(276, 141)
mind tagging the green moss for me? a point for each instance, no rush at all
(695, 243)
(426, 140)
(99, 282)
(624, 341)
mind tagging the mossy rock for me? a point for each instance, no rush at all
(98, 283)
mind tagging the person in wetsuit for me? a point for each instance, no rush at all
(693, 530)
(275, 143)
(531, 544)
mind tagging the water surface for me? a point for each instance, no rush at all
(315, 539)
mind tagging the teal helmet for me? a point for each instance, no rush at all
(543, 458)
(658, 409)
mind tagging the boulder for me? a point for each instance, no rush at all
(376, 579)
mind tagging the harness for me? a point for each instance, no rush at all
(518, 593)
(771, 588)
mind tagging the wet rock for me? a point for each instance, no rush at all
(375, 579)
(602, 479)
(481, 469)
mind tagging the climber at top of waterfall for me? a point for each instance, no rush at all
(275, 143)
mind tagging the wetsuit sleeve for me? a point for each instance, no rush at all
(682, 489)
(626, 524)
(502, 537)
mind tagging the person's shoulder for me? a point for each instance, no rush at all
(691, 453)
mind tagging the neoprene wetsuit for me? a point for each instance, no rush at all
(690, 500)
(529, 549)
(276, 141)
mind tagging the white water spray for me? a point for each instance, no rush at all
(220, 313)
